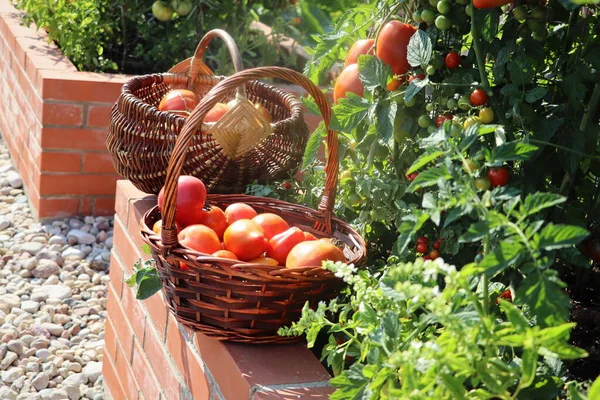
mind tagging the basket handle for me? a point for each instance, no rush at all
(196, 64)
(169, 232)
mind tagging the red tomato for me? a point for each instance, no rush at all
(423, 239)
(191, 195)
(440, 119)
(309, 236)
(498, 176)
(394, 84)
(422, 248)
(490, 3)
(286, 185)
(246, 239)
(284, 242)
(264, 261)
(506, 295)
(452, 60)
(179, 101)
(362, 46)
(200, 238)
(437, 244)
(313, 253)
(426, 258)
(215, 219)
(348, 81)
(272, 224)
(412, 177)
(392, 45)
(434, 254)
(225, 254)
(216, 112)
(413, 77)
(478, 97)
(237, 211)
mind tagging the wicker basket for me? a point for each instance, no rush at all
(227, 155)
(234, 300)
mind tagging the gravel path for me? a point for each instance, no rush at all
(53, 281)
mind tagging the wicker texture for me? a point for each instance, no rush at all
(240, 301)
(226, 155)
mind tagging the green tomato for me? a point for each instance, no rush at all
(444, 6)
(433, 3)
(482, 184)
(539, 36)
(520, 13)
(540, 13)
(443, 23)
(424, 121)
(452, 104)
(469, 10)
(430, 129)
(443, 100)
(454, 129)
(428, 16)
(464, 103)
(430, 70)
(430, 107)
(536, 26)
(417, 17)
(411, 102)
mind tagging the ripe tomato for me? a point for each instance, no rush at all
(437, 244)
(215, 219)
(412, 177)
(309, 236)
(264, 261)
(426, 258)
(200, 238)
(394, 83)
(313, 253)
(434, 254)
(482, 184)
(284, 242)
(216, 112)
(440, 119)
(506, 295)
(348, 81)
(422, 248)
(486, 115)
(392, 45)
(179, 101)
(423, 239)
(157, 227)
(272, 224)
(286, 185)
(362, 46)
(452, 60)
(498, 176)
(246, 239)
(237, 211)
(191, 195)
(478, 97)
(225, 254)
(490, 3)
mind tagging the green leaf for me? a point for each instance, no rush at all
(454, 385)
(545, 296)
(311, 106)
(386, 113)
(501, 258)
(313, 145)
(536, 202)
(489, 28)
(372, 71)
(555, 237)
(414, 88)
(594, 392)
(515, 316)
(147, 280)
(528, 367)
(146, 249)
(423, 160)
(419, 49)
(349, 113)
(547, 336)
(476, 232)
(535, 94)
(351, 384)
(521, 70)
(512, 151)
(564, 351)
(429, 178)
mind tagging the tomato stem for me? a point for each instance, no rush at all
(486, 282)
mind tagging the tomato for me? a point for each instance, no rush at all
(411, 102)
(434, 254)
(443, 23)
(215, 219)
(486, 115)
(469, 166)
(423, 239)
(272, 224)
(520, 13)
(470, 121)
(394, 84)
(313, 253)
(424, 121)
(426, 258)
(362, 46)
(430, 70)
(540, 13)
(348, 81)
(452, 104)
(539, 36)
(482, 184)
(478, 97)
(412, 177)
(417, 17)
(428, 16)
(437, 244)
(506, 295)
(490, 3)
(162, 11)
(191, 195)
(444, 6)
(309, 236)
(264, 261)
(422, 248)
(430, 107)
(182, 7)
(225, 254)
(418, 76)
(179, 101)
(392, 45)
(498, 176)
(469, 10)
(200, 238)
(157, 227)
(452, 60)
(246, 239)
(345, 175)
(441, 118)
(263, 112)
(216, 112)
(352, 145)
(464, 103)
(237, 211)
(286, 185)
(284, 242)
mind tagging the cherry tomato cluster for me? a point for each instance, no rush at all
(423, 248)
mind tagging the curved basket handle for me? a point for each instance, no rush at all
(196, 64)
(169, 232)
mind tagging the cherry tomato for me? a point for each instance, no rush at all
(470, 121)
(443, 23)
(444, 6)
(422, 248)
(426, 258)
(437, 244)
(430, 70)
(498, 176)
(464, 103)
(412, 177)
(452, 104)
(452, 60)
(490, 3)
(423, 239)
(440, 119)
(478, 97)
(429, 107)
(345, 175)
(469, 10)
(506, 295)
(428, 16)
(486, 115)
(424, 121)
(286, 185)
(434, 254)
(482, 184)
(520, 13)
(417, 17)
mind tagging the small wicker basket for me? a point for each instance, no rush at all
(242, 147)
(240, 301)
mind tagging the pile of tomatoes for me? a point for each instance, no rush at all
(240, 233)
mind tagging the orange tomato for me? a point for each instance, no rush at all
(392, 45)
(179, 101)
(272, 224)
(237, 211)
(215, 219)
(362, 46)
(246, 239)
(216, 112)
(200, 238)
(265, 261)
(309, 236)
(225, 254)
(313, 253)
(348, 81)
(284, 242)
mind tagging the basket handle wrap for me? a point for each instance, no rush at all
(169, 233)
(196, 65)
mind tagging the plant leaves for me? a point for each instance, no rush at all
(313, 145)
(349, 112)
(501, 258)
(521, 70)
(454, 385)
(386, 113)
(414, 88)
(372, 71)
(544, 295)
(594, 392)
(536, 202)
(423, 160)
(558, 236)
(146, 249)
(311, 106)
(419, 49)
(489, 28)
(535, 94)
(147, 280)
(429, 178)
(512, 151)
(528, 367)
(475, 232)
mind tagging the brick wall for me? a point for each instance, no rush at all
(148, 354)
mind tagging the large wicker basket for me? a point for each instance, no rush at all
(234, 300)
(227, 155)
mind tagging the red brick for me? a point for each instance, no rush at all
(58, 207)
(111, 379)
(133, 311)
(98, 162)
(125, 246)
(126, 192)
(98, 116)
(62, 114)
(110, 339)
(144, 376)
(81, 86)
(104, 206)
(116, 272)
(77, 184)
(73, 138)
(85, 206)
(313, 393)
(123, 330)
(123, 364)
(60, 161)
(157, 309)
